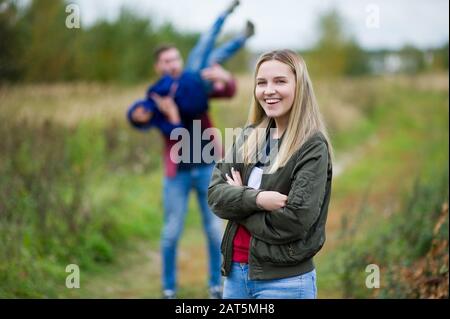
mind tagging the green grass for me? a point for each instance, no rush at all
(412, 144)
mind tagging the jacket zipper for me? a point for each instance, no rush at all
(227, 239)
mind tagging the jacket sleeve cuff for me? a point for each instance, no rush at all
(249, 199)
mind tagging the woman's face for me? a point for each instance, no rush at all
(275, 88)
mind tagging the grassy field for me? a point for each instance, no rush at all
(78, 185)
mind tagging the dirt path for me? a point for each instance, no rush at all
(136, 273)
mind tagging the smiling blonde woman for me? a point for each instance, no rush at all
(276, 198)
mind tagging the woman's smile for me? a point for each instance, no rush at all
(272, 101)
(275, 88)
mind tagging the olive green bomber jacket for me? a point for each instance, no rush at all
(284, 241)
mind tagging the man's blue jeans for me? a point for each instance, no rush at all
(204, 54)
(176, 195)
(238, 286)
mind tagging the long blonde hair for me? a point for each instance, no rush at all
(305, 118)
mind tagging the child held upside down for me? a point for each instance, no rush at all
(189, 90)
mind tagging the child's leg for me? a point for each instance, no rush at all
(223, 53)
(226, 51)
(230, 48)
(199, 55)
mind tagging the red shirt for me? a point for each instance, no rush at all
(241, 245)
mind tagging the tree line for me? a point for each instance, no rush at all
(37, 46)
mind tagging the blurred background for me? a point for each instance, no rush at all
(79, 186)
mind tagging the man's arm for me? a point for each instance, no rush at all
(168, 108)
(171, 117)
(223, 82)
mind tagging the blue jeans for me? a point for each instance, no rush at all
(204, 54)
(175, 195)
(238, 286)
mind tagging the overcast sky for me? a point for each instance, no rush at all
(293, 23)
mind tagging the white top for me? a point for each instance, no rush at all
(254, 181)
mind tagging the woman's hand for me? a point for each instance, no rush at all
(270, 200)
(236, 179)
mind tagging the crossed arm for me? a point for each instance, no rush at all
(270, 216)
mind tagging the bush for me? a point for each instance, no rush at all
(48, 215)
(412, 250)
